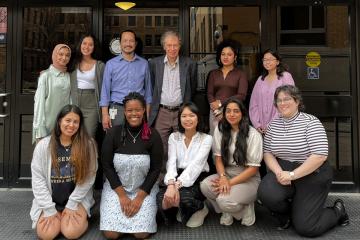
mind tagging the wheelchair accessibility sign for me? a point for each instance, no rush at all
(313, 73)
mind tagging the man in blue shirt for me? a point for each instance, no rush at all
(123, 74)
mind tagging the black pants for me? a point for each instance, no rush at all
(191, 201)
(302, 201)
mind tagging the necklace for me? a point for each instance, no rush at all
(134, 138)
(67, 148)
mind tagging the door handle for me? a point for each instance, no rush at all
(3, 115)
(4, 94)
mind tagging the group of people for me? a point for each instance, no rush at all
(156, 153)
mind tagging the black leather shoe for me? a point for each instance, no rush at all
(284, 225)
(339, 207)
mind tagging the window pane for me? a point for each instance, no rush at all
(39, 39)
(131, 21)
(157, 21)
(148, 40)
(157, 40)
(294, 18)
(148, 21)
(318, 17)
(167, 21)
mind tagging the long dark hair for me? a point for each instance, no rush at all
(96, 54)
(242, 135)
(145, 131)
(281, 67)
(194, 109)
(81, 145)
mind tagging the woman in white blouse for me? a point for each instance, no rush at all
(238, 152)
(186, 166)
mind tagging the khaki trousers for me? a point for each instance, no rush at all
(240, 195)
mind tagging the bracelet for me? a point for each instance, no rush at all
(222, 175)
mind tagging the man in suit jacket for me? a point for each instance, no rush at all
(174, 81)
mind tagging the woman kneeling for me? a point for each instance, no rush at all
(132, 158)
(297, 185)
(63, 171)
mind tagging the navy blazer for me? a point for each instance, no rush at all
(188, 81)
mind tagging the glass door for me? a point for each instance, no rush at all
(211, 25)
(315, 41)
(4, 99)
(208, 27)
(41, 28)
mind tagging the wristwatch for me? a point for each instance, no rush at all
(223, 175)
(292, 174)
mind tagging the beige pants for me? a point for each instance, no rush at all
(240, 195)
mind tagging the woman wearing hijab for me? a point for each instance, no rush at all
(53, 92)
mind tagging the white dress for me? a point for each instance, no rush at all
(132, 171)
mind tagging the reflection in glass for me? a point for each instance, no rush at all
(147, 23)
(211, 25)
(3, 32)
(315, 25)
(44, 28)
(339, 133)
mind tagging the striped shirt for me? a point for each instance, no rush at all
(295, 139)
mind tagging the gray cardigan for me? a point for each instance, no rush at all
(99, 72)
(41, 185)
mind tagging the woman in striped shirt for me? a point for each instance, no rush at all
(297, 185)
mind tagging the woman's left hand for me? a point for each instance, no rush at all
(284, 177)
(136, 203)
(221, 185)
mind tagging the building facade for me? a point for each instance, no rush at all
(318, 39)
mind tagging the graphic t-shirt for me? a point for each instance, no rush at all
(62, 182)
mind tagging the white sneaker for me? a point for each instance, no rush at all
(249, 215)
(226, 219)
(197, 219)
(178, 216)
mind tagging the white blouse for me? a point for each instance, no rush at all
(193, 159)
(254, 141)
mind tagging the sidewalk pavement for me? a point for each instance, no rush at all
(15, 223)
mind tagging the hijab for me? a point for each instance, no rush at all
(55, 52)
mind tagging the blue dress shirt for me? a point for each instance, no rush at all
(122, 77)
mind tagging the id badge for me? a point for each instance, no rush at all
(112, 113)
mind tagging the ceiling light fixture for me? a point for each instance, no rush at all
(125, 5)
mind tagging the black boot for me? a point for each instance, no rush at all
(339, 208)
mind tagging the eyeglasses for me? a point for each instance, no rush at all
(284, 100)
(269, 59)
